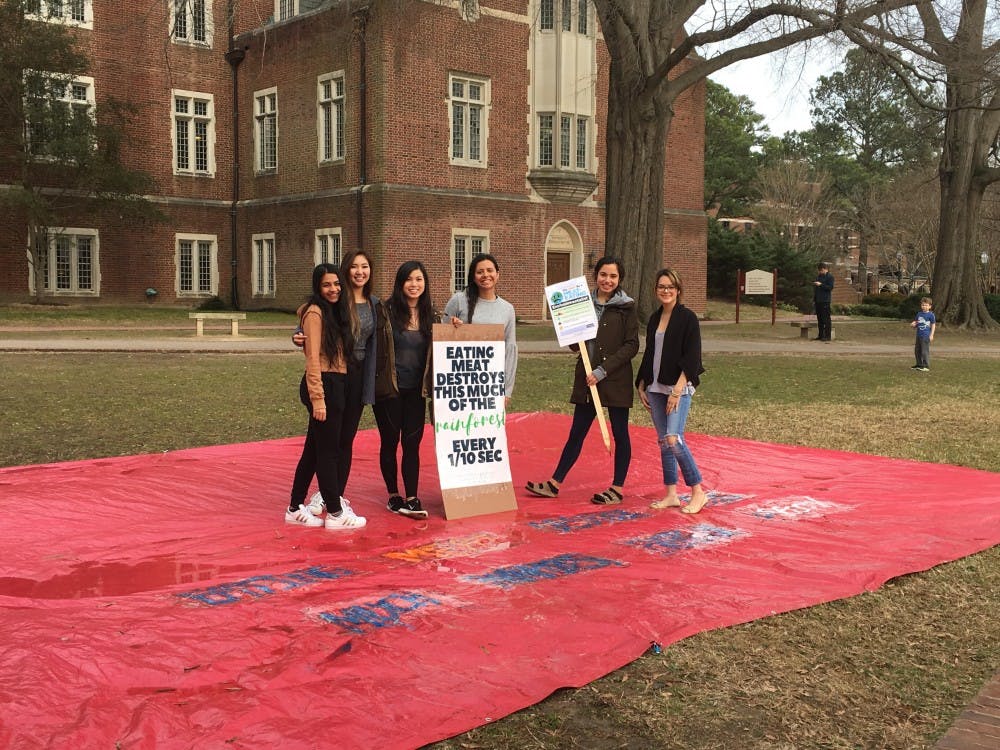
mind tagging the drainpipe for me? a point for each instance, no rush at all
(360, 26)
(234, 56)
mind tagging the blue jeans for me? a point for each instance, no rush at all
(673, 424)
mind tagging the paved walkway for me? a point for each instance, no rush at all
(978, 727)
(133, 340)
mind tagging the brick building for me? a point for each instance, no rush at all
(414, 129)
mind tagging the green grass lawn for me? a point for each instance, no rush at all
(886, 669)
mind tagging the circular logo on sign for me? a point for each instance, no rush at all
(556, 298)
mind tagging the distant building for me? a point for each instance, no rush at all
(430, 130)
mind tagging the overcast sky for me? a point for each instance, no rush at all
(779, 87)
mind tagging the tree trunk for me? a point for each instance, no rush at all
(638, 124)
(958, 300)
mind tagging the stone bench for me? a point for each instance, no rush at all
(200, 318)
(805, 326)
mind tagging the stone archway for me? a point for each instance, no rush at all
(563, 255)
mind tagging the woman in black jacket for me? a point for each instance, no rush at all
(668, 376)
(611, 353)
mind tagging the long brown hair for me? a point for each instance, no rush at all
(347, 297)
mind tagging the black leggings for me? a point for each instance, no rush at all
(319, 453)
(583, 418)
(353, 406)
(401, 419)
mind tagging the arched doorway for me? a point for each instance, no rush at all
(563, 254)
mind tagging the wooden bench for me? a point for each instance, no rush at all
(200, 318)
(805, 326)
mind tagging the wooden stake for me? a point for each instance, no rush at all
(597, 399)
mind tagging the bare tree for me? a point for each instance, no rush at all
(957, 45)
(658, 50)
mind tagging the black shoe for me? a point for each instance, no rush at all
(410, 507)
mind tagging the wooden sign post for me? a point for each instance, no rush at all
(470, 434)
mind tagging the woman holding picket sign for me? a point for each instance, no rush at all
(611, 351)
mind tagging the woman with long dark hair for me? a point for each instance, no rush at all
(327, 343)
(361, 312)
(669, 373)
(402, 383)
(610, 353)
(480, 303)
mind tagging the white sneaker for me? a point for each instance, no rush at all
(316, 505)
(347, 520)
(302, 517)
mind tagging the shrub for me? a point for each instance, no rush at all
(993, 305)
(884, 299)
(213, 303)
(875, 311)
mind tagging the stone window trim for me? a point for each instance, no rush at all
(196, 276)
(191, 22)
(468, 102)
(263, 264)
(68, 263)
(265, 130)
(328, 247)
(465, 244)
(330, 117)
(78, 13)
(192, 133)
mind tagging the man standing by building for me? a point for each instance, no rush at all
(822, 294)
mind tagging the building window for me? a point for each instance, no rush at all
(68, 262)
(197, 267)
(581, 143)
(565, 125)
(465, 244)
(285, 9)
(546, 15)
(545, 140)
(192, 22)
(194, 133)
(72, 12)
(328, 246)
(582, 25)
(469, 99)
(570, 140)
(330, 123)
(567, 15)
(59, 115)
(262, 272)
(266, 130)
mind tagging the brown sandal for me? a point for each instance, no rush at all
(610, 496)
(542, 489)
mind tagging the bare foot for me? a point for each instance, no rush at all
(698, 501)
(670, 501)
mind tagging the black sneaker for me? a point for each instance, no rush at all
(395, 503)
(411, 507)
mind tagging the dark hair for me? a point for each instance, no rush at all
(471, 290)
(674, 277)
(336, 334)
(347, 299)
(399, 308)
(610, 260)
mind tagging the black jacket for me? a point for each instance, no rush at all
(681, 348)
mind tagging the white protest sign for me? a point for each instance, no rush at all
(470, 435)
(572, 311)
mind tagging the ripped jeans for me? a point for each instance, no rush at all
(673, 424)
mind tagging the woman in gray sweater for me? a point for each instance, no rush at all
(479, 303)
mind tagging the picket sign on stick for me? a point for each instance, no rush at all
(575, 320)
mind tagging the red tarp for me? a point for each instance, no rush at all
(160, 600)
